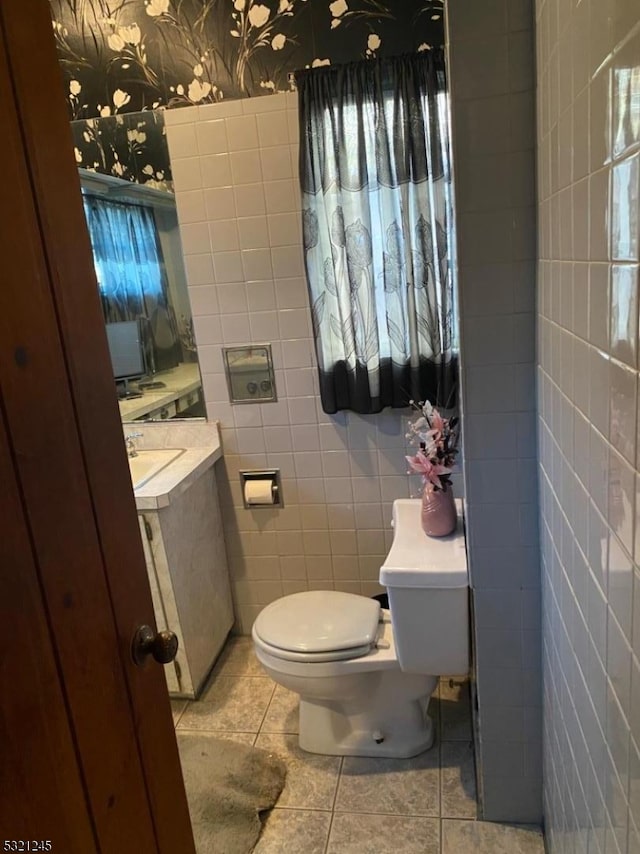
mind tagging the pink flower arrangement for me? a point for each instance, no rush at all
(438, 441)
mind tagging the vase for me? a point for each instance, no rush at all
(439, 515)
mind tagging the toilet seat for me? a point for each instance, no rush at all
(381, 656)
(317, 626)
(311, 657)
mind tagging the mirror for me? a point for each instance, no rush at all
(127, 187)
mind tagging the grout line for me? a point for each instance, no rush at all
(333, 803)
(352, 811)
(301, 809)
(266, 711)
(177, 720)
(338, 778)
(219, 732)
(326, 845)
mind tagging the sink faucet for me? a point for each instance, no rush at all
(130, 441)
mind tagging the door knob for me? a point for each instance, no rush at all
(163, 646)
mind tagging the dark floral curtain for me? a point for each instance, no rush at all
(377, 217)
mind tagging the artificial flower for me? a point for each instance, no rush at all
(438, 441)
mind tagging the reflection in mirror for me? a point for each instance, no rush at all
(250, 376)
(130, 209)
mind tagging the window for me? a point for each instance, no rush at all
(377, 222)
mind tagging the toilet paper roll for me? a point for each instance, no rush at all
(259, 491)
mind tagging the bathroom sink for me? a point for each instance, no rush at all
(147, 464)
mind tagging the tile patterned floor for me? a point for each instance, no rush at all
(353, 805)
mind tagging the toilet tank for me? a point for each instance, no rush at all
(428, 585)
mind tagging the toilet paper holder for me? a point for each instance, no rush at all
(272, 475)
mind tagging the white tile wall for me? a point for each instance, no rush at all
(235, 171)
(588, 59)
(493, 106)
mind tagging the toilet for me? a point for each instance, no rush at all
(365, 674)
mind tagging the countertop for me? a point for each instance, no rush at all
(180, 474)
(179, 381)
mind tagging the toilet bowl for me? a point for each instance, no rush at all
(364, 674)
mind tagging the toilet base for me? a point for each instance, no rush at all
(337, 730)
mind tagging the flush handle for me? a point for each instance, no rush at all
(162, 646)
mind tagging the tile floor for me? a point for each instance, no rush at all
(353, 805)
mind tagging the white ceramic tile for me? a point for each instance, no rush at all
(284, 229)
(235, 329)
(228, 267)
(287, 262)
(281, 196)
(204, 300)
(242, 132)
(297, 353)
(264, 325)
(246, 167)
(181, 116)
(221, 110)
(254, 232)
(216, 170)
(302, 410)
(294, 322)
(223, 235)
(190, 206)
(208, 329)
(232, 298)
(249, 199)
(276, 162)
(305, 437)
(293, 126)
(220, 203)
(625, 204)
(199, 269)
(256, 264)
(186, 173)
(212, 137)
(269, 102)
(272, 128)
(291, 292)
(590, 614)
(195, 238)
(182, 140)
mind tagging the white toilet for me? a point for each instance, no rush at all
(364, 674)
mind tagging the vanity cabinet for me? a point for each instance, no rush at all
(187, 566)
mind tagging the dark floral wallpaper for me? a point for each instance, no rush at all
(132, 146)
(122, 56)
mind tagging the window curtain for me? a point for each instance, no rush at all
(131, 275)
(377, 217)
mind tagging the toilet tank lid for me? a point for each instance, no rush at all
(416, 560)
(319, 621)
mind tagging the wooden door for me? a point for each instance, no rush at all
(88, 757)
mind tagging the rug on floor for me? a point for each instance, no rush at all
(228, 785)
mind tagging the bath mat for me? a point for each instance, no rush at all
(228, 785)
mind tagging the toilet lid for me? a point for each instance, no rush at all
(319, 621)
